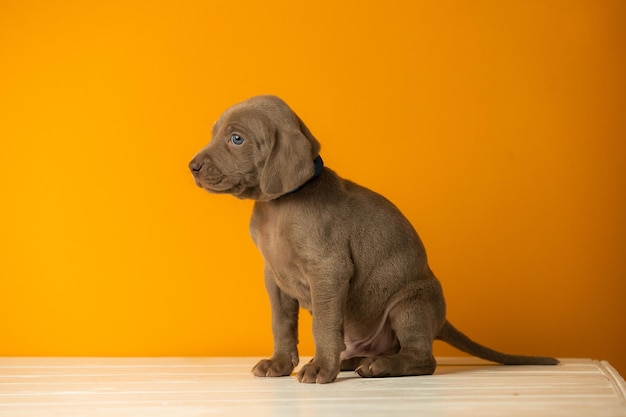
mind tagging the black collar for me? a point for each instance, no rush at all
(319, 165)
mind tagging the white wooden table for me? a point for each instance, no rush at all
(189, 387)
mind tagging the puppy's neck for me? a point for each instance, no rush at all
(319, 165)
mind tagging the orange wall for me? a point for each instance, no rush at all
(497, 127)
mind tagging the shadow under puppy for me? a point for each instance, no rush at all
(337, 249)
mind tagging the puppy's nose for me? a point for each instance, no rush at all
(195, 166)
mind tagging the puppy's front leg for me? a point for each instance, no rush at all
(328, 302)
(284, 329)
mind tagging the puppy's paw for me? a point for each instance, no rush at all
(395, 365)
(374, 367)
(274, 367)
(316, 372)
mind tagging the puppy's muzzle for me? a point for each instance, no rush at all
(205, 173)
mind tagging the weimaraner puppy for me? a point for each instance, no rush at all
(339, 250)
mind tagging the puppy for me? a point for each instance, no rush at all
(339, 250)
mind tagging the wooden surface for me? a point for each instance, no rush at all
(188, 387)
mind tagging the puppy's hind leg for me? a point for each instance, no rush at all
(415, 321)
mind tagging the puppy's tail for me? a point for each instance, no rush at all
(456, 338)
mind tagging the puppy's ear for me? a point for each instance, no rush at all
(290, 162)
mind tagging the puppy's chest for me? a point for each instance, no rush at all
(280, 240)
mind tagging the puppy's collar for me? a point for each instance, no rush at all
(319, 164)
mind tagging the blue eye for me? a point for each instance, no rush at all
(236, 139)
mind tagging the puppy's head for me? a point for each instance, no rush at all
(260, 149)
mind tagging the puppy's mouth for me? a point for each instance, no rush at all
(219, 184)
(213, 184)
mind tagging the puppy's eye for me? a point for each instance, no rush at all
(236, 139)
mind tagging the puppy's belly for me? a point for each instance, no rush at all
(380, 340)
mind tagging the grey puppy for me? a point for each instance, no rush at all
(339, 250)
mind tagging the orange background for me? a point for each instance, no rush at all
(496, 127)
